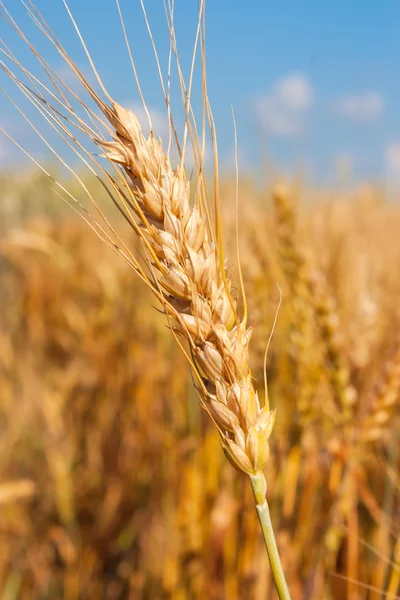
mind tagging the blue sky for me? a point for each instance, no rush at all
(313, 84)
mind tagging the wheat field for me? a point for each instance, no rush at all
(106, 454)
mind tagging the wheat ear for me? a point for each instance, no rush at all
(183, 262)
(196, 292)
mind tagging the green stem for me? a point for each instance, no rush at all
(259, 486)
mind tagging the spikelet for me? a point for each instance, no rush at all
(328, 324)
(194, 289)
(299, 305)
(383, 402)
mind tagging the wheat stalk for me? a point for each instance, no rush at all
(183, 255)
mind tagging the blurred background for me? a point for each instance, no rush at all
(113, 483)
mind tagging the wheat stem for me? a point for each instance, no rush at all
(259, 489)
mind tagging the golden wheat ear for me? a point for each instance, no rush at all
(183, 253)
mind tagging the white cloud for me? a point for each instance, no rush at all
(294, 92)
(282, 111)
(71, 80)
(362, 108)
(392, 158)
